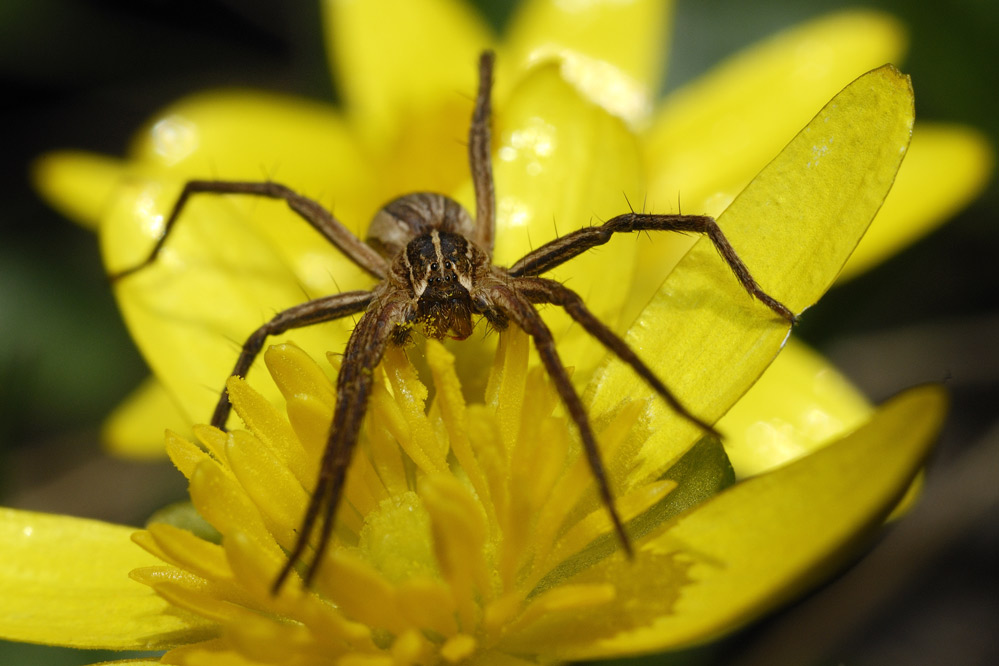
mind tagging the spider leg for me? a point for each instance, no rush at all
(561, 250)
(364, 351)
(311, 312)
(508, 301)
(310, 210)
(481, 160)
(543, 290)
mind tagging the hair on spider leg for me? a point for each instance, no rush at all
(434, 270)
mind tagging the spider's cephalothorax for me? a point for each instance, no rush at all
(433, 264)
(426, 236)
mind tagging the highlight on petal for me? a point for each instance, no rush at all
(758, 544)
(64, 581)
(794, 227)
(547, 184)
(252, 135)
(256, 136)
(613, 52)
(800, 403)
(946, 167)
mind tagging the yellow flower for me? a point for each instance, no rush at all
(461, 539)
(476, 542)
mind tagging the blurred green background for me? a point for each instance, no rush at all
(86, 74)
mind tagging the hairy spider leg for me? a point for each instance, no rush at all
(310, 210)
(561, 250)
(543, 290)
(316, 311)
(508, 300)
(480, 159)
(365, 349)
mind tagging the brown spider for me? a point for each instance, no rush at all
(435, 270)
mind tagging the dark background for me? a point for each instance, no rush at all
(86, 74)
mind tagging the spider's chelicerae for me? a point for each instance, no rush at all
(434, 268)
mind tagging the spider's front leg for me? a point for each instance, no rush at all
(312, 312)
(362, 355)
(561, 250)
(310, 210)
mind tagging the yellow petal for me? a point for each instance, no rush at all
(135, 428)
(397, 58)
(225, 504)
(793, 226)
(271, 428)
(64, 581)
(295, 373)
(269, 484)
(712, 136)
(947, 165)
(78, 184)
(800, 403)
(548, 183)
(756, 545)
(614, 52)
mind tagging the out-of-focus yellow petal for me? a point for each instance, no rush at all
(548, 184)
(613, 51)
(947, 165)
(799, 404)
(64, 581)
(77, 184)
(712, 136)
(794, 226)
(421, 55)
(135, 428)
(756, 545)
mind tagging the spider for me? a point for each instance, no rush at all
(434, 268)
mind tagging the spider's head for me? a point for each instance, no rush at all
(440, 267)
(427, 237)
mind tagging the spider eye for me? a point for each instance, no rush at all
(434, 266)
(447, 264)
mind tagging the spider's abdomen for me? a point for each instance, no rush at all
(403, 219)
